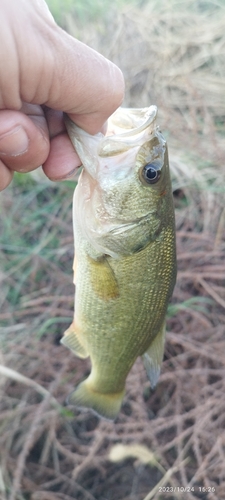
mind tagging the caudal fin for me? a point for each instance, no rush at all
(105, 405)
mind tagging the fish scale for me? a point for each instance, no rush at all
(125, 257)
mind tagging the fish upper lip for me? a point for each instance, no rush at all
(148, 118)
(142, 122)
(129, 127)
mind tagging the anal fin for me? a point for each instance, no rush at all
(71, 340)
(153, 357)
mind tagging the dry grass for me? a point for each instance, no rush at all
(172, 55)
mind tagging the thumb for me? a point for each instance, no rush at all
(47, 66)
(91, 87)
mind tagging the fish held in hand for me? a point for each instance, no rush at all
(125, 256)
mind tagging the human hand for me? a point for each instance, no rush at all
(45, 71)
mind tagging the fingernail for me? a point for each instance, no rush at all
(64, 177)
(15, 142)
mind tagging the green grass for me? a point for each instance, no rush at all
(92, 10)
(35, 224)
(85, 11)
(199, 304)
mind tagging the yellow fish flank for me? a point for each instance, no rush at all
(125, 257)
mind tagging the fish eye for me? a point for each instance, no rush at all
(151, 173)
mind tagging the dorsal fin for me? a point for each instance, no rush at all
(153, 357)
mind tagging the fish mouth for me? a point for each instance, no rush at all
(133, 121)
(126, 129)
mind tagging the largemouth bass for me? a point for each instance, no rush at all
(125, 257)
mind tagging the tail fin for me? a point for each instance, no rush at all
(105, 405)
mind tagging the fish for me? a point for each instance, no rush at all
(125, 255)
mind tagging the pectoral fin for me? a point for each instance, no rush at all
(71, 340)
(153, 357)
(103, 279)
